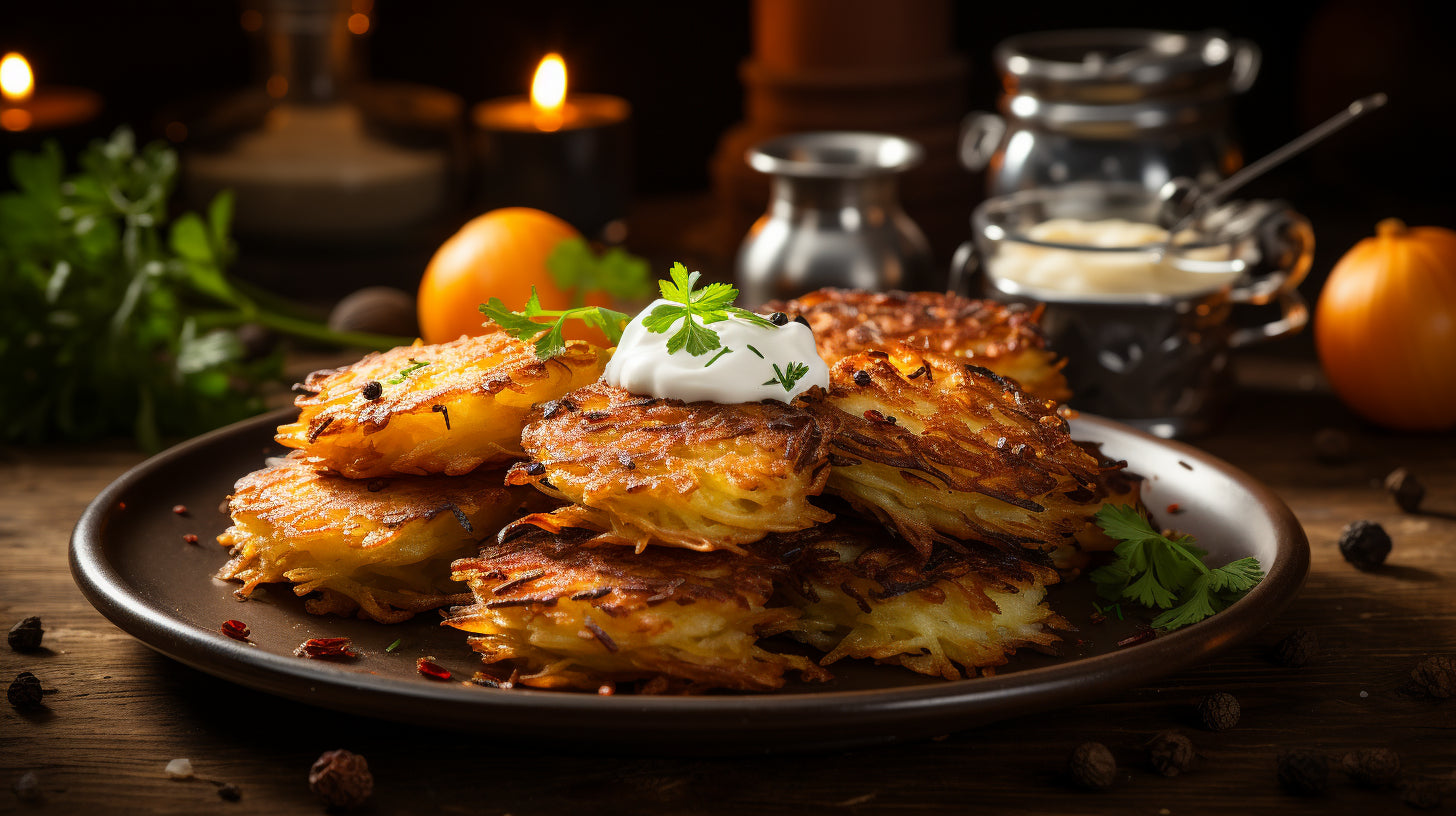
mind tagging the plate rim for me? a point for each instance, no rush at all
(1021, 692)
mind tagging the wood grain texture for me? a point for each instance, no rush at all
(121, 712)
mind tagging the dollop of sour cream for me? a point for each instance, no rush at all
(743, 373)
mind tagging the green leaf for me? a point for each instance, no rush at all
(189, 239)
(516, 325)
(1124, 523)
(220, 218)
(211, 350)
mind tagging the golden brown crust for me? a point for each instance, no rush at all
(380, 546)
(864, 595)
(699, 475)
(566, 613)
(481, 387)
(947, 329)
(965, 455)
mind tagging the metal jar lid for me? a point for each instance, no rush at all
(1126, 66)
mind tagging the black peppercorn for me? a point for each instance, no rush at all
(372, 390)
(778, 318)
(1170, 753)
(862, 378)
(1305, 773)
(1406, 489)
(1436, 676)
(1372, 767)
(1422, 794)
(800, 319)
(341, 778)
(1364, 544)
(24, 691)
(1219, 712)
(535, 469)
(1332, 446)
(26, 635)
(1093, 766)
(27, 787)
(1298, 648)
(230, 792)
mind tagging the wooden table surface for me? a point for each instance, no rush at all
(121, 712)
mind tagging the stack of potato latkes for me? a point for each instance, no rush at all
(913, 513)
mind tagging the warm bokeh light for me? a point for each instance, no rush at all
(15, 119)
(548, 91)
(358, 23)
(16, 80)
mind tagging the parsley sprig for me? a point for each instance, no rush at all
(1167, 573)
(550, 343)
(697, 309)
(790, 374)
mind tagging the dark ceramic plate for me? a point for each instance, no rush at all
(130, 559)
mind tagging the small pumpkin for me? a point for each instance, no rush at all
(1385, 327)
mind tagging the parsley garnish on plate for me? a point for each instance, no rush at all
(1167, 573)
(790, 374)
(521, 326)
(697, 309)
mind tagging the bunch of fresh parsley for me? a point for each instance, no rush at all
(116, 317)
(1167, 573)
(696, 308)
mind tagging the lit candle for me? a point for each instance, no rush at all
(25, 107)
(568, 154)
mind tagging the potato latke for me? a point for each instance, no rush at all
(942, 327)
(699, 475)
(380, 547)
(963, 455)
(563, 612)
(864, 596)
(448, 408)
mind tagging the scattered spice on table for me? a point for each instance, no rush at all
(1170, 753)
(1435, 676)
(328, 647)
(26, 635)
(230, 792)
(1332, 446)
(179, 509)
(1219, 711)
(1372, 767)
(1304, 773)
(1092, 766)
(190, 538)
(27, 787)
(1296, 649)
(25, 691)
(1364, 544)
(395, 645)
(1406, 489)
(179, 769)
(341, 778)
(236, 629)
(429, 668)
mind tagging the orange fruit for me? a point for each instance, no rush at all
(499, 254)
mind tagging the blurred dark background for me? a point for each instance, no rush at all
(678, 65)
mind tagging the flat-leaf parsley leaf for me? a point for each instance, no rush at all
(697, 309)
(1167, 573)
(551, 342)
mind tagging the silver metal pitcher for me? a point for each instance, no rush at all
(1113, 105)
(834, 218)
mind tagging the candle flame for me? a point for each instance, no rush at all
(16, 80)
(548, 91)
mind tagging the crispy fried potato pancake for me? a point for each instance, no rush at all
(964, 455)
(699, 475)
(569, 614)
(864, 596)
(946, 329)
(381, 547)
(463, 409)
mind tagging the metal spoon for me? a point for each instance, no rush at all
(1183, 200)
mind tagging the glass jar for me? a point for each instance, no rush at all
(1117, 105)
